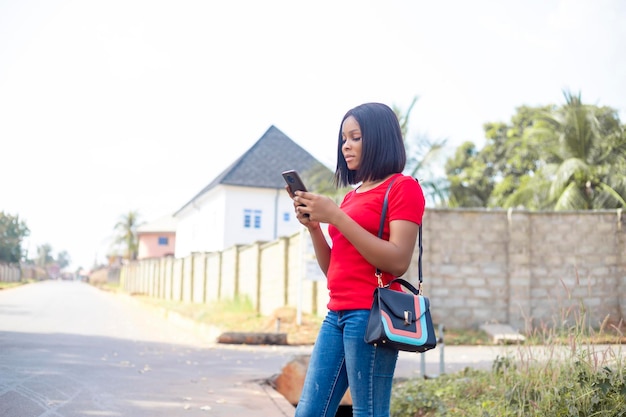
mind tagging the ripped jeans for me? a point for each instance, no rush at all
(341, 358)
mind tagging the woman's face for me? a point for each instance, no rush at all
(352, 143)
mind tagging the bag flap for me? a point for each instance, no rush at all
(396, 303)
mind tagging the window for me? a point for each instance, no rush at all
(251, 219)
(163, 240)
(247, 216)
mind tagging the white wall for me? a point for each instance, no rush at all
(215, 221)
(200, 226)
(272, 205)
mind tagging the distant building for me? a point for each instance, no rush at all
(247, 202)
(157, 239)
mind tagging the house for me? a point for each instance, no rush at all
(247, 202)
(157, 239)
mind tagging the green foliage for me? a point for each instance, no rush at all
(63, 259)
(469, 176)
(471, 337)
(44, 255)
(422, 156)
(571, 157)
(558, 373)
(320, 179)
(567, 388)
(404, 116)
(12, 233)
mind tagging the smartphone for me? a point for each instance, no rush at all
(294, 181)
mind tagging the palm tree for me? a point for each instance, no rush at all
(586, 157)
(421, 155)
(126, 229)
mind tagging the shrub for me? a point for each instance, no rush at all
(555, 388)
(558, 372)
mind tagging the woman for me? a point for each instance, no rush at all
(370, 154)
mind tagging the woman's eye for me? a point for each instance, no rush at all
(356, 139)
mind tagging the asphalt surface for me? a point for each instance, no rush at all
(68, 349)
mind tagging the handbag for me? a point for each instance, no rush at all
(400, 319)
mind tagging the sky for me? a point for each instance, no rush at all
(108, 107)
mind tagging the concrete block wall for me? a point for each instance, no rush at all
(198, 278)
(528, 269)
(229, 269)
(248, 273)
(272, 276)
(575, 264)
(213, 267)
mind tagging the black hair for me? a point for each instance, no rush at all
(382, 151)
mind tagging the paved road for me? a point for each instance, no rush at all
(68, 349)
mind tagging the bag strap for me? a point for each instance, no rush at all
(383, 214)
(406, 284)
(420, 248)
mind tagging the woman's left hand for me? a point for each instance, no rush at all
(319, 208)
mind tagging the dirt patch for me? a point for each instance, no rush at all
(285, 320)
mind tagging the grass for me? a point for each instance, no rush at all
(560, 370)
(577, 379)
(7, 285)
(240, 316)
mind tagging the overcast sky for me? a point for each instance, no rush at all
(112, 106)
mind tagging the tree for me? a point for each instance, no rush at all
(584, 166)
(44, 255)
(63, 259)
(546, 158)
(12, 233)
(46, 261)
(422, 153)
(469, 177)
(320, 179)
(126, 229)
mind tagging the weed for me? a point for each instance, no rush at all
(560, 371)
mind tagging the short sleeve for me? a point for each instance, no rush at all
(406, 200)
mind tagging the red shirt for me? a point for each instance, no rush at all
(350, 278)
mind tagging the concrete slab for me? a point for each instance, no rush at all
(502, 333)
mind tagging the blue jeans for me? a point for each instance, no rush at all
(341, 358)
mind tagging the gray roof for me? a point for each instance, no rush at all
(262, 164)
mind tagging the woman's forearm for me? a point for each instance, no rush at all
(394, 255)
(321, 247)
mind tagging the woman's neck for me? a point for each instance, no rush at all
(371, 184)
